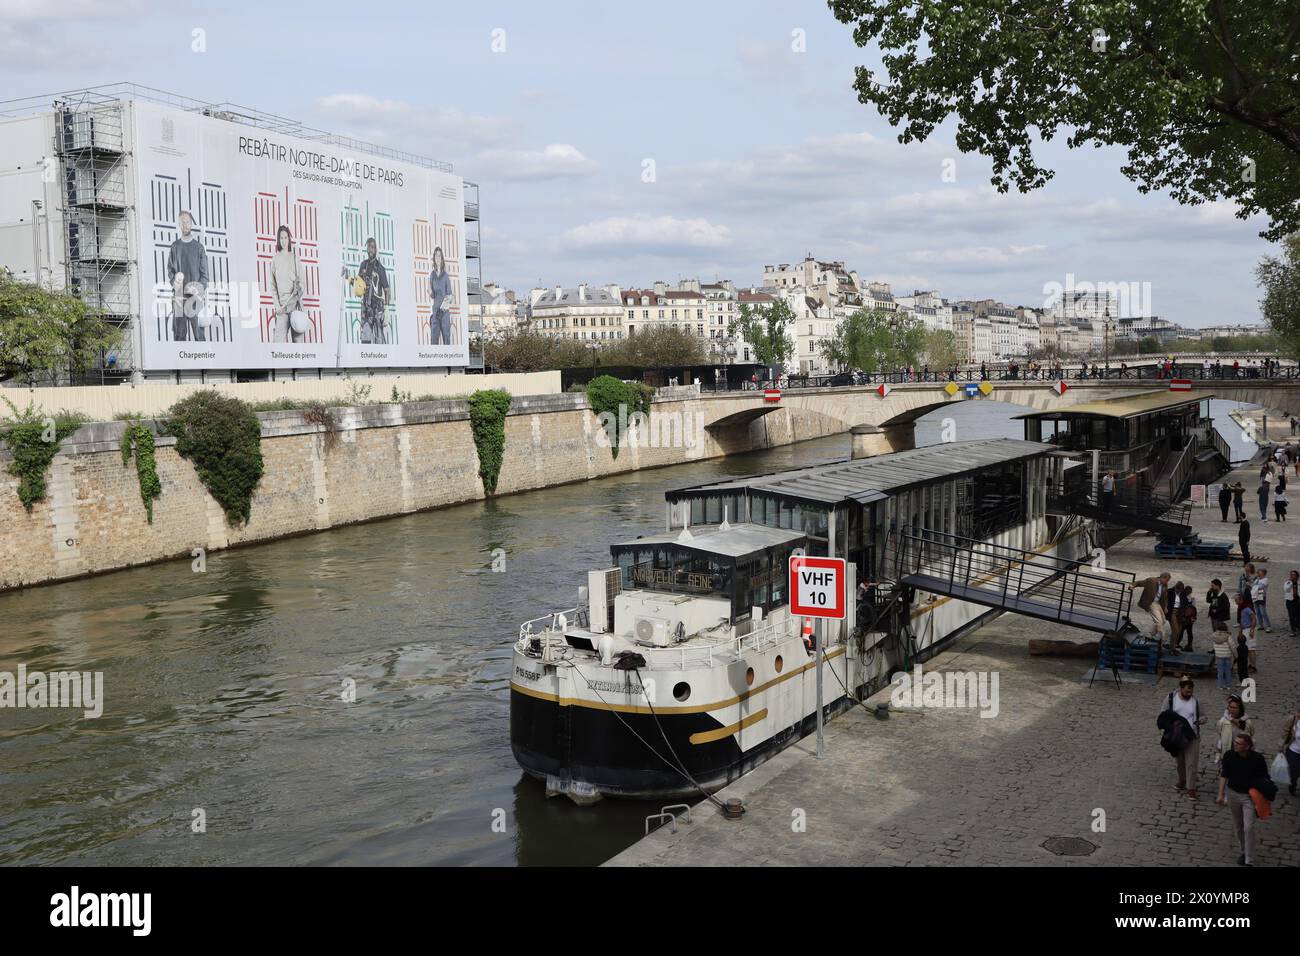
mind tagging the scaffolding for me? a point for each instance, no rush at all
(93, 166)
(473, 277)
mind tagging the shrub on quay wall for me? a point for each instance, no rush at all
(487, 417)
(606, 393)
(222, 438)
(33, 439)
(138, 439)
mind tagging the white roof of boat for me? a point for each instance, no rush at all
(869, 479)
(735, 541)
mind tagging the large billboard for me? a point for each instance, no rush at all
(260, 250)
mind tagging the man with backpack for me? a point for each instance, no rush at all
(1181, 719)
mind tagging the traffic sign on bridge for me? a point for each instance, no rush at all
(817, 587)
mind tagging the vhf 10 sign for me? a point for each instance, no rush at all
(817, 587)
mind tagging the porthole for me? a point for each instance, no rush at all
(749, 677)
(780, 662)
(682, 690)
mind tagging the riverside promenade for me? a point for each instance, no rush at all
(1060, 764)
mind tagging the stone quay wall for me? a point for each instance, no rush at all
(386, 460)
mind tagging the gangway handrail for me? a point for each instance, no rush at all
(1098, 599)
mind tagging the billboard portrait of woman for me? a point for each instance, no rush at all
(440, 290)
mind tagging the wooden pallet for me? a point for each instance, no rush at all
(1133, 657)
(1185, 663)
(1201, 550)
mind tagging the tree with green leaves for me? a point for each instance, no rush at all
(942, 349)
(1280, 278)
(1201, 93)
(525, 350)
(766, 328)
(657, 346)
(875, 340)
(48, 335)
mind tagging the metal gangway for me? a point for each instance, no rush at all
(1037, 585)
(1138, 508)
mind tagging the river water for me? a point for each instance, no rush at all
(226, 738)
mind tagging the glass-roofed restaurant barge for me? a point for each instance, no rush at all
(682, 666)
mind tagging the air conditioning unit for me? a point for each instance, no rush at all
(653, 631)
(602, 586)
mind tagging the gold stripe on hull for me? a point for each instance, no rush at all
(709, 736)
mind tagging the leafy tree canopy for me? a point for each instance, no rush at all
(942, 349)
(48, 335)
(766, 329)
(1280, 277)
(1202, 93)
(874, 340)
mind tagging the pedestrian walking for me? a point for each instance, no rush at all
(1247, 646)
(1222, 657)
(1174, 615)
(1108, 492)
(1234, 721)
(1279, 502)
(1181, 721)
(1259, 598)
(1225, 499)
(1152, 601)
(1291, 747)
(1243, 539)
(1189, 616)
(1238, 500)
(1291, 594)
(1263, 493)
(1239, 770)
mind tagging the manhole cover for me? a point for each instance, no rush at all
(1068, 846)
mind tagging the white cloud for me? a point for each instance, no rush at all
(658, 235)
(442, 131)
(554, 161)
(979, 255)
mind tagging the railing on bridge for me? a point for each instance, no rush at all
(1079, 372)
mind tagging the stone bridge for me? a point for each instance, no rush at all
(739, 421)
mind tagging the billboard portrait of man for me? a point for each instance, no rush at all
(187, 271)
(374, 300)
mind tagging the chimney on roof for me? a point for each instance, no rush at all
(582, 292)
(559, 293)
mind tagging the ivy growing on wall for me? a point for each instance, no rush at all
(33, 439)
(607, 394)
(222, 437)
(138, 439)
(487, 417)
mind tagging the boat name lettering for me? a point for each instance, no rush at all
(527, 675)
(608, 687)
(697, 580)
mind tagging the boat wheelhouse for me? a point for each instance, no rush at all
(681, 667)
(1153, 446)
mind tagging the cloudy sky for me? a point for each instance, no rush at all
(631, 142)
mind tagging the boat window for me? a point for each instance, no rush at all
(999, 499)
(674, 570)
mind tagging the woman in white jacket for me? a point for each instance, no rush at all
(287, 285)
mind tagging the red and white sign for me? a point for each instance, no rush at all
(1180, 385)
(1059, 388)
(883, 389)
(771, 394)
(817, 587)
